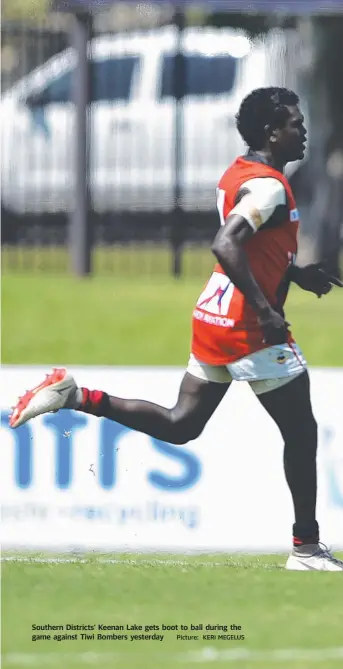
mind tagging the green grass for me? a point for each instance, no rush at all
(132, 260)
(113, 320)
(276, 610)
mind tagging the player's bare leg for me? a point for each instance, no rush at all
(290, 407)
(196, 403)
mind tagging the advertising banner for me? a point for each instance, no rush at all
(72, 481)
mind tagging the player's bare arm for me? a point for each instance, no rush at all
(228, 247)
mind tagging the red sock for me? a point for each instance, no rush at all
(93, 401)
(302, 542)
(305, 533)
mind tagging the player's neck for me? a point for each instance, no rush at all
(268, 158)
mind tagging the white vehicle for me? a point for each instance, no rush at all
(132, 153)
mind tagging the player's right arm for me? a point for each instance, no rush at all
(259, 200)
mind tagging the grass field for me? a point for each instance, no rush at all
(131, 311)
(288, 619)
(131, 260)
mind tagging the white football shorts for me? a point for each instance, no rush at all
(264, 370)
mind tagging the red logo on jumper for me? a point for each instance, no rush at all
(220, 292)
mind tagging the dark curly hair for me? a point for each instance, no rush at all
(263, 106)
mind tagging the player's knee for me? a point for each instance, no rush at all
(185, 429)
(312, 432)
(184, 434)
(308, 428)
(304, 435)
(301, 434)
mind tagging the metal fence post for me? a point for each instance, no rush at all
(179, 86)
(80, 238)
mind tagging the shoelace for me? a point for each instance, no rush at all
(324, 551)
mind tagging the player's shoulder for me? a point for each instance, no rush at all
(271, 185)
(256, 175)
(268, 189)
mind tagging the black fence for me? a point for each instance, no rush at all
(161, 132)
(123, 244)
(136, 194)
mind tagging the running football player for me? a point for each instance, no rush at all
(239, 327)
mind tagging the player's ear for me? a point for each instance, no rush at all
(270, 133)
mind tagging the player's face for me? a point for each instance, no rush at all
(290, 141)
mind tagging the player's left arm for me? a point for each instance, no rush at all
(314, 278)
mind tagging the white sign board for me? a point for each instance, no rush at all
(75, 481)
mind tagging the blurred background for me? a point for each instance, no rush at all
(131, 182)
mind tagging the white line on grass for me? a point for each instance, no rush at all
(153, 562)
(206, 655)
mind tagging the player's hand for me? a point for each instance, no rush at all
(316, 279)
(273, 326)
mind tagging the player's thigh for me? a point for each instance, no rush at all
(290, 406)
(201, 391)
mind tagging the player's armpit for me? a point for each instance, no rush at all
(236, 228)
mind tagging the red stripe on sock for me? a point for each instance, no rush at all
(302, 542)
(91, 400)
